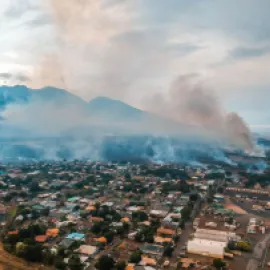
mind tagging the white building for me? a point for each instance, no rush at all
(210, 242)
(205, 247)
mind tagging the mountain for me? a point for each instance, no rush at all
(18, 94)
(114, 110)
(101, 107)
(51, 123)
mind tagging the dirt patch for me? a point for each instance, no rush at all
(10, 262)
(234, 207)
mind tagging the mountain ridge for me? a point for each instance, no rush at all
(11, 94)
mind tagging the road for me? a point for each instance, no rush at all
(182, 241)
(258, 253)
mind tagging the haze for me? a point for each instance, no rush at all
(135, 50)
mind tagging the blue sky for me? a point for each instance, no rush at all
(132, 50)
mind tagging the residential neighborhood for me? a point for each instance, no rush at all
(82, 215)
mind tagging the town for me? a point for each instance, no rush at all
(109, 215)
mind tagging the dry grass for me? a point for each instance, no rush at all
(10, 262)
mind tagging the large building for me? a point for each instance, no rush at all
(210, 243)
(205, 247)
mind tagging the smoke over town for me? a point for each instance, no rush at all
(112, 49)
(92, 36)
(189, 102)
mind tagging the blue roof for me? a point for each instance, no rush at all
(73, 199)
(76, 236)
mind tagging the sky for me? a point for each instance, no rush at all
(135, 50)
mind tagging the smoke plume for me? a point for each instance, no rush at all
(98, 53)
(85, 59)
(189, 102)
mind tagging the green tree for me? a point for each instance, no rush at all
(135, 257)
(121, 265)
(59, 264)
(139, 216)
(168, 251)
(33, 252)
(74, 263)
(34, 187)
(243, 245)
(109, 236)
(20, 249)
(185, 212)
(105, 263)
(193, 197)
(96, 228)
(218, 263)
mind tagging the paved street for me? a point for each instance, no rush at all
(258, 254)
(182, 240)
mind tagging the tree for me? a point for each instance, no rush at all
(127, 176)
(105, 263)
(109, 236)
(230, 220)
(231, 245)
(185, 212)
(74, 263)
(121, 265)
(193, 197)
(243, 245)
(135, 257)
(168, 251)
(126, 227)
(34, 187)
(20, 249)
(218, 263)
(48, 258)
(182, 224)
(59, 264)
(33, 252)
(139, 216)
(96, 228)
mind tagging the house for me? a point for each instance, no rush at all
(87, 250)
(66, 243)
(90, 208)
(162, 240)
(148, 261)
(52, 232)
(165, 232)
(74, 199)
(125, 219)
(152, 249)
(138, 267)
(101, 240)
(158, 213)
(96, 219)
(76, 236)
(16, 232)
(132, 235)
(41, 238)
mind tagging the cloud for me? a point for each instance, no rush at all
(245, 52)
(131, 49)
(15, 77)
(5, 75)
